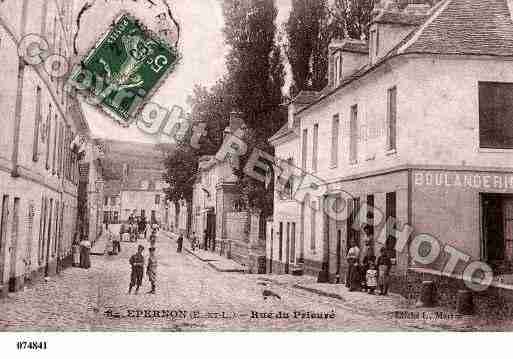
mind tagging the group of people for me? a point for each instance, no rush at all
(137, 263)
(370, 273)
(81, 248)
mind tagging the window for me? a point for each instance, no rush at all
(304, 149)
(334, 140)
(37, 123)
(55, 144)
(353, 146)
(495, 114)
(391, 118)
(106, 200)
(157, 199)
(315, 148)
(390, 212)
(48, 132)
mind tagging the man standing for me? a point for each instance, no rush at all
(137, 263)
(151, 270)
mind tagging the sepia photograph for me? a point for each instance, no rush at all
(234, 166)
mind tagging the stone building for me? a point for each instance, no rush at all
(416, 125)
(219, 212)
(39, 177)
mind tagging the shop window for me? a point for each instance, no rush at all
(495, 114)
(497, 230)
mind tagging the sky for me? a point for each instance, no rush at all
(201, 45)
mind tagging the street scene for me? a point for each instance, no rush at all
(191, 295)
(257, 165)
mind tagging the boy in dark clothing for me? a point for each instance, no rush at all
(137, 263)
(384, 264)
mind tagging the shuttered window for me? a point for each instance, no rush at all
(37, 124)
(334, 140)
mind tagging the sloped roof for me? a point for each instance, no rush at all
(400, 18)
(454, 27)
(475, 27)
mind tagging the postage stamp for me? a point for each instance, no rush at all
(126, 66)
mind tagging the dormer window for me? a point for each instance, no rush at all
(374, 44)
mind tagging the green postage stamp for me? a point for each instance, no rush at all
(125, 67)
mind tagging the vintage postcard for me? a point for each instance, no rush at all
(282, 165)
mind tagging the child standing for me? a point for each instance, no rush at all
(371, 278)
(384, 265)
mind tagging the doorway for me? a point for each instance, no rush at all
(287, 250)
(48, 238)
(28, 241)
(3, 234)
(211, 230)
(14, 243)
(497, 231)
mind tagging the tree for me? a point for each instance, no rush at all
(307, 31)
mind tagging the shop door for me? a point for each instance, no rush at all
(287, 250)
(14, 242)
(507, 206)
(293, 243)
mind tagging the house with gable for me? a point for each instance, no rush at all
(415, 125)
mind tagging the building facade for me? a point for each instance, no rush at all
(134, 182)
(39, 171)
(220, 218)
(415, 122)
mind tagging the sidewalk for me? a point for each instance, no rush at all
(392, 306)
(214, 260)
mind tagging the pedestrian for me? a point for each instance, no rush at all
(85, 253)
(205, 239)
(371, 278)
(179, 244)
(109, 245)
(194, 241)
(76, 250)
(116, 246)
(153, 238)
(151, 270)
(353, 273)
(368, 257)
(137, 263)
(384, 264)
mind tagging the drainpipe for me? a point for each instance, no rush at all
(19, 96)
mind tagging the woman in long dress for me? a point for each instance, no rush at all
(76, 250)
(85, 253)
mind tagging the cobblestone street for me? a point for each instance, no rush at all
(191, 296)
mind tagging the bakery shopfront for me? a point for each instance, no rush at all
(469, 210)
